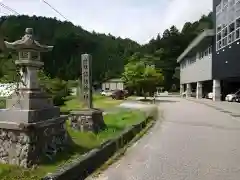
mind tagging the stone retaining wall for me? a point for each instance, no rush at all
(27, 148)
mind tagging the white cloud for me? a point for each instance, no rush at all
(181, 11)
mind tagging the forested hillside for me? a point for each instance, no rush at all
(69, 43)
(165, 48)
(110, 53)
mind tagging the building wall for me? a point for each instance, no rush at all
(198, 70)
(226, 45)
(112, 86)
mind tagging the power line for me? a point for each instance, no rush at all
(9, 9)
(44, 1)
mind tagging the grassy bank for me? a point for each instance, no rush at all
(99, 101)
(84, 142)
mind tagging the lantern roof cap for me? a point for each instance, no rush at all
(28, 42)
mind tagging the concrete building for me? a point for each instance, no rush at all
(211, 63)
(113, 84)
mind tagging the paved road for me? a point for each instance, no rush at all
(194, 142)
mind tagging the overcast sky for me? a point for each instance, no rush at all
(139, 20)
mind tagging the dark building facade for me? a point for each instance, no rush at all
(226, 54)
(221, 65)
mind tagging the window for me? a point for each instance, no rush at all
(219, 36)
(218, 8)
(237, 34)
(231, 31)
(231, 27)
(224, 42)
(238, 23)
(219, 45)
(227, 23)
(224, 32)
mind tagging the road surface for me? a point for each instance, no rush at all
(194, 142)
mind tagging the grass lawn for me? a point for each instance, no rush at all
(84, 142)
(99, 101)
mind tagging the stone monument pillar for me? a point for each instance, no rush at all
(88, 119)
(30, 126)
(87, 80)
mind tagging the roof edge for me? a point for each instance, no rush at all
(195, 42)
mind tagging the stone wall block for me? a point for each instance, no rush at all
(3, 135)
(12, 137)
(23, 163)
(18, 149)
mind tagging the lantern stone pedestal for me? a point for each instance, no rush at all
(31, 128)
(87, 120)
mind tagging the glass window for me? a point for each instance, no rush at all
(237, 33)
(219, 45)
(224, 32)
(219, 36)
(218, 8)
(231, 27)
(238, 23)
(224, 42)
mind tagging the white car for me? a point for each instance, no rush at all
(192, 94)
(106, 93)
(233, 97)
(210, 95)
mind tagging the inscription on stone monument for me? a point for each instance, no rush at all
(87, 80)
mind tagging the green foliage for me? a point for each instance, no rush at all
(140, 74)
(167, 48)
(109, 52)
(59, 91)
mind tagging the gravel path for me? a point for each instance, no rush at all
(194, 142)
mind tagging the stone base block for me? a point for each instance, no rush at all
(87, 120)
(32, 146)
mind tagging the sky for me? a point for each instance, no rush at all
(139, 20)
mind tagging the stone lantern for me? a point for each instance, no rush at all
(31, 126)
(29, 94)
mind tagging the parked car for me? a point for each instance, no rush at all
(106, 93)
(118, 94)
(235, 97)
(193, 93)
(210, 95)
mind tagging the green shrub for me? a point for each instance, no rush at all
(58, 89)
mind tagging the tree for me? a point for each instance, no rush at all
(64, 62)
(151, 79)
(140, 75)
